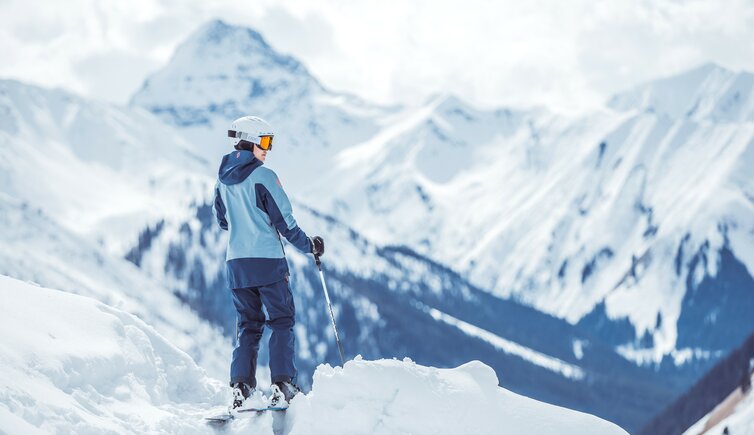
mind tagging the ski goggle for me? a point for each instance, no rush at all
(265, 142)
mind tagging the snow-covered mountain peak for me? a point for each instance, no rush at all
(220, 68)
(216, 31)
(237, 47)
(706, 92)
(223, 72)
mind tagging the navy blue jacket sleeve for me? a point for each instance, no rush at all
(278, 207)
(220, 209)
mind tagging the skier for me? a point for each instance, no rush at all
(251, 204)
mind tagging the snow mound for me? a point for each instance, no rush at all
(70, 364)
(392, 396)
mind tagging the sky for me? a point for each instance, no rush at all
(569, 56)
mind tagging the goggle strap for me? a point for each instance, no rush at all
(238, 134)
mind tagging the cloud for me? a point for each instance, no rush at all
(115, 73)
(567, 55)
(309, 33)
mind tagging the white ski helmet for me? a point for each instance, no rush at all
(250, 128)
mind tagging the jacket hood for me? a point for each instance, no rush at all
(236, 166)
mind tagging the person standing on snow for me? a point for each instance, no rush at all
(252, 206)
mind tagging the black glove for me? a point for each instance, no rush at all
(318, 246)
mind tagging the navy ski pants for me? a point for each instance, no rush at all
(278, 301)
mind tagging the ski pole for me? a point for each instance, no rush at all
(329, 307)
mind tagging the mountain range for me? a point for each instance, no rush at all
(599, 261)
(621, 219)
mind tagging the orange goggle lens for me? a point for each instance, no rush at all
(265, 143)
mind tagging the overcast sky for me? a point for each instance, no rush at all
(568, 55)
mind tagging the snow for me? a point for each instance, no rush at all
(223, 72)
(736, 413)
(550, 363)
(708, 91)
(72, 364)
(86, 367)
(578, 348)
(536, 196)
(393, 396)
(40, 250)
(103, 171)
(679, 357)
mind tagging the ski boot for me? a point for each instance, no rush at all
(241, 392)
(247, 398)
(282, 394)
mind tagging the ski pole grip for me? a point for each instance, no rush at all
(319, 263)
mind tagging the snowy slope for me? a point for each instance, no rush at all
(35, 248)
(735, 414)
(720, 398)
(622, 219)
(101, 170)
(707, 92)
(564, 215)
(86, 367)
(80, 179)
(71, 364)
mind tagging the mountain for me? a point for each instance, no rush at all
(619, 220)
(101, 170)
(722, 398)
(734, 415)
(37, 249)
(80, 179)
(75, 203)
(600, 262)
(708, 92)
(634, 221)
(95, 368)
(223, 72)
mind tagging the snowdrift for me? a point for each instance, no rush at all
(393, 396)
(71, 364)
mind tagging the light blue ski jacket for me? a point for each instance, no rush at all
(251, 204)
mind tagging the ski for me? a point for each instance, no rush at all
(228, 416)
(269, 408)
(219, 419)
